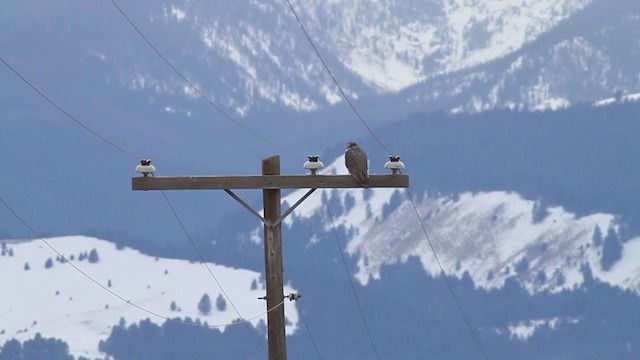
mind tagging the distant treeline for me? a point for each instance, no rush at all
(421, 321)
(585, 158)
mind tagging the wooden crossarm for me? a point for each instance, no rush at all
(265, 182)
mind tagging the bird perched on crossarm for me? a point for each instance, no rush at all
(356, 160)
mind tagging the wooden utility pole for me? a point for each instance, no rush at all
(271, 183)
(274, 271)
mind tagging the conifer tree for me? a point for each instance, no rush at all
(221, 304)
(93, 256)
(611, 250)
(204, 306)
(597, 236)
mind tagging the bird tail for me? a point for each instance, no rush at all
(362, 179)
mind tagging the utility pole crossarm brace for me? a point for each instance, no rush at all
(257, 214)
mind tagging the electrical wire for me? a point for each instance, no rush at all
(191, 84)
(115, 294)
(353, 289)
(446, 278)
(120, 148)
(228, 116)
(195, 247)
(335, 81)
(225, 114)
(304, 322)
(324, 64)
(75, 119)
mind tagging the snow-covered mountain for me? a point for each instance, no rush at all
(578, 61)
(376, 48)
(394, 58)
(489, 235)
(395, 44)
(42, 294)
(480, 54)
(252, 56)
(397, 60)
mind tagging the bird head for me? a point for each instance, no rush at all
(352, 145)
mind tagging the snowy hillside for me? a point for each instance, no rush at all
(373, 47)
(252, 55)
(59, 302)
(580, 60)
(613, 100)
(490, 235)
(395, 44)
(464, 55)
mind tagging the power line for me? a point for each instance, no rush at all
(191, 84)
(315, 346)
(113, 293)
(243, 320)
(111, 143)
(335, 81)
(198, 91)
(353, 289)
(195, 247)
(446, 278)
(315, 49)
(76, 120)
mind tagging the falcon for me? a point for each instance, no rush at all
(356, 160)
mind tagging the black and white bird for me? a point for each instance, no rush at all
(356, 160)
